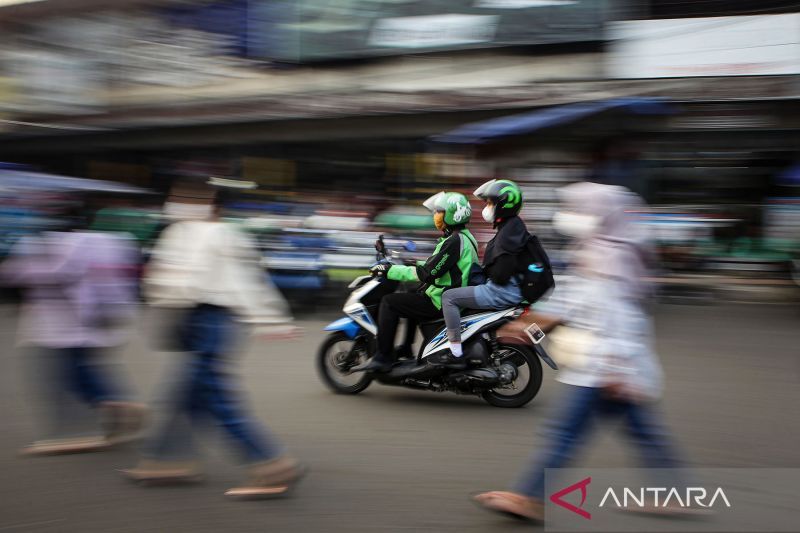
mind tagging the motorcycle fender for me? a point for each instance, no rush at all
(346, 325)
(540, 351)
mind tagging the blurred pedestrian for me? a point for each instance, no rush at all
(79, 302)
(602, 341)
(208, 271)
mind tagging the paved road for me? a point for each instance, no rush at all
(397, 460)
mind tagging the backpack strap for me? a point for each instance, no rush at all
(470, 240)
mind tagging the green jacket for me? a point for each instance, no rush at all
(447, 268)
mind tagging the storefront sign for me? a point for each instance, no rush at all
(717, 46)
(433, 31)
(307, 30)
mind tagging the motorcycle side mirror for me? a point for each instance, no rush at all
(410, 246)
(380, 246)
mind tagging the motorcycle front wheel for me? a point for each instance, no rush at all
(335, 358)
(526, 386)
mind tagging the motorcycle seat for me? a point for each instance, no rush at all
(464, 312)
(470, 312)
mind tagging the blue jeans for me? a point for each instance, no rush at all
(86, 378)
(573, 421)
(205, 389)
(486, 296)
(493, 296)
(66, 381)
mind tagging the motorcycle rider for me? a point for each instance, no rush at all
(500, 265)
(448, 267)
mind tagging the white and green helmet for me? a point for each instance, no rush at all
(455, 206)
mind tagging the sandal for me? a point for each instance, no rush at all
(65, 446)
(512, 504)
(149, 472)
(272, 479)
(124, 421)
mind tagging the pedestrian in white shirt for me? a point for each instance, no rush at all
(209, 271)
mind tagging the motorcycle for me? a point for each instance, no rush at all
(503, 374)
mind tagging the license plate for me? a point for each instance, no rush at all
(535, 333)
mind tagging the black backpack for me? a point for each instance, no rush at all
(537, 273)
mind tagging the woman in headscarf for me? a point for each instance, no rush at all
(608, 364)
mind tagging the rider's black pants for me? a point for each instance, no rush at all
(416, 306)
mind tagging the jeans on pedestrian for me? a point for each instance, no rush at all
(572, 422)
(205, 389)
(86, 377)
(68, 384)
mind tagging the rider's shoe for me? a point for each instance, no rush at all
(376, 365)
(448, 360)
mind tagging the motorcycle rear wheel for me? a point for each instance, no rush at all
(332, 363)
(529, 368)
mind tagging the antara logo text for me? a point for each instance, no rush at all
(642, 497)
(665, 497)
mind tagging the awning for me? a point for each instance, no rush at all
(143, 225)
(526, 123)
(790, 177)
(413, 220)
(26, 181)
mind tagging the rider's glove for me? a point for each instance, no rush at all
(380, 270)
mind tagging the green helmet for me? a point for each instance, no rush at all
(504, 194)
(455, 206)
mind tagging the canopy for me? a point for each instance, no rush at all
(411, 220)
(790, 177)
(26, 180)
(143, 225)
(525, 123)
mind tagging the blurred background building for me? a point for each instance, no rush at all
(347, 113)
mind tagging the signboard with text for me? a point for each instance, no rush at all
(307, 30)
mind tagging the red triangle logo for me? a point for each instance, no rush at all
(556, 498)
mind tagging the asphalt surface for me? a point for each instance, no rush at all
(398, 460)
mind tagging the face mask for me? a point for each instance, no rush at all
(574, 224)
(488, 213)
(182, 211)
(438, 221)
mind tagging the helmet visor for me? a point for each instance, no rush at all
(482, 191)
(435, 202)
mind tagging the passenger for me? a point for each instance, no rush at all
(512, 263)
